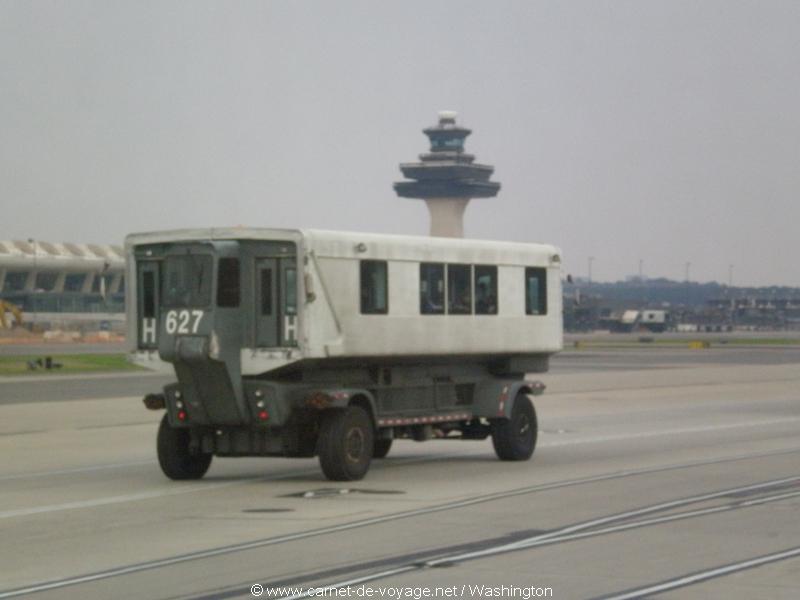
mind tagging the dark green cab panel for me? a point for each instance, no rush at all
(181, 286)
(200, 302)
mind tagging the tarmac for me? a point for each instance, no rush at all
(663, 472)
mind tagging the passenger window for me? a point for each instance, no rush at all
(431, 289)
(374, 287)
(485, 290)
(228, 283)
(290, 291)
(535, 291)
(459, 289)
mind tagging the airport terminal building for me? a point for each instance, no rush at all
(64, 285)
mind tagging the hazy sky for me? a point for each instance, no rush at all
(661, 131)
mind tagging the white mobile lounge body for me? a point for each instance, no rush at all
(303, 343)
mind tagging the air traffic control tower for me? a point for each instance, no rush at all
(446, 179)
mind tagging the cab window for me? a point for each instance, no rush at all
(187, 280)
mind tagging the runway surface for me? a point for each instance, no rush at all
(666, 472)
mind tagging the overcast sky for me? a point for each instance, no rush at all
(662, 131)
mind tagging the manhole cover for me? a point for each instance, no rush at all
(333, 492)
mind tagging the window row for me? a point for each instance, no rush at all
(66, 302)
(452, 289)
(47, 281)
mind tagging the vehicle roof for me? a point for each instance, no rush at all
(367, 245)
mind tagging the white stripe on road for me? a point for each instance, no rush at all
(134, 463)
(647, 434)
(704, 575)
(199, 487)
(206, 486)
(94, 502)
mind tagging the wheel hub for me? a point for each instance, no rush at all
(354, 444)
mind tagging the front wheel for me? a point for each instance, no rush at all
(346, 442)
(177, 460)
(515, 438)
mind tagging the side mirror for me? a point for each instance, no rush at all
(569, 278)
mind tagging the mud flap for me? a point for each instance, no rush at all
(212, 389)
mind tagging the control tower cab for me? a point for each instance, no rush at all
(303, 343)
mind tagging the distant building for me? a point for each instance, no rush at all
(653, 320)
(59, 284)
(627, 321)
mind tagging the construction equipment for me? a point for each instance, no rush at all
(15, 310)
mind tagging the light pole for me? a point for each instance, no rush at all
(688, 266)
(642, 287)
(35, 277)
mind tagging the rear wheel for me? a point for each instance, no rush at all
(174, 455)
(381, 448)
(346, 442)
(515, 438)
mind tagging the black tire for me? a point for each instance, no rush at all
(515, 438)
(346, 442)
(176, 460)
(381, 448)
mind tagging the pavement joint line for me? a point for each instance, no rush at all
(705, 575)
(616, 517)
(573, 532)
(660, 520)
(201, 554)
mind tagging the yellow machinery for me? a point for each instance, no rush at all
(13, 309)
